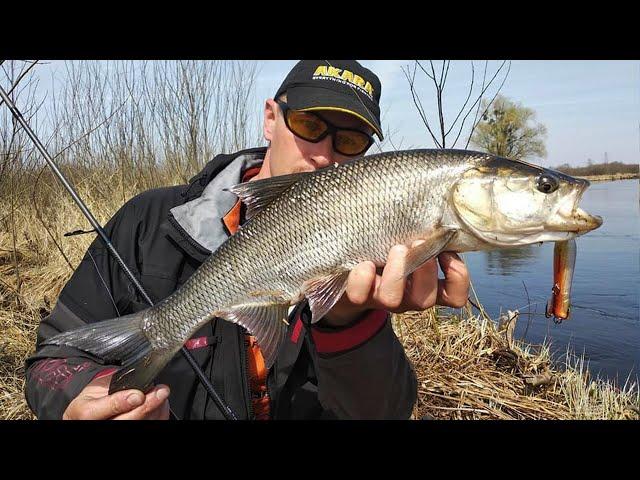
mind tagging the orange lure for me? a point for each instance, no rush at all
(564, 260)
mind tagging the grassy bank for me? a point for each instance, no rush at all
(610, 177)
(468, 366)
(602, 171)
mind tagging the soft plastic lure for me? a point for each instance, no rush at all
(564, 260)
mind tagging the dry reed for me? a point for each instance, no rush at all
(470, 367)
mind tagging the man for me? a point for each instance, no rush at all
(348, 365)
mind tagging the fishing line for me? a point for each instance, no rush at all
(104, 283)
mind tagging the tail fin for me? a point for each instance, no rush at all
(120, 341)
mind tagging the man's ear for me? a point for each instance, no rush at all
(270, 116)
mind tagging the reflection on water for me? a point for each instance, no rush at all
(509, 260)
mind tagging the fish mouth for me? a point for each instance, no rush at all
(579, 222)
(570, 218)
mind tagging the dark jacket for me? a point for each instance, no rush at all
(164, 235)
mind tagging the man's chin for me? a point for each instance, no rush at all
(303, 170)
(304, 167)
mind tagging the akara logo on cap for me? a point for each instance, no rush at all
(324, 72)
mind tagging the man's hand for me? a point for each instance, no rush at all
(367, 290)
(95, 403)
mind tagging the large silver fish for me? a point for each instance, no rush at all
(308, 230)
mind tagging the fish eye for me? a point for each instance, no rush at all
(547, 183)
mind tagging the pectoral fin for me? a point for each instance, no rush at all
(324, 292)
(432, 246)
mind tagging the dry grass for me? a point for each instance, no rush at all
(32, 274)
(468, 367)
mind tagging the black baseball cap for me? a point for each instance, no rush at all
(340, 85)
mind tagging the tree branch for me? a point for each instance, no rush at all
(22, 75)
(418, 104)
(466, 101)
(439, 97)
(425, 72)
(492, 100)
(481, 94)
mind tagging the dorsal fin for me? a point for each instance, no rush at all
(258, 194)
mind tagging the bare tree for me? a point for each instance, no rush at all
(14, 153)
(166, 118)
(437, 76)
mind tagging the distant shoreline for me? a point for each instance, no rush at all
(609, 177)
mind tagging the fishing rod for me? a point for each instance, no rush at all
(224, 408)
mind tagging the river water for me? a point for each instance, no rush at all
(605, 323)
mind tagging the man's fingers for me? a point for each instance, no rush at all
(423, 287)
(360, 282)
(160, 413)
(390, 289)
(453, 291)
(152, 406)
(103, 408)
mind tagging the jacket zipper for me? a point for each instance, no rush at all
(245, 378)
(271, 371)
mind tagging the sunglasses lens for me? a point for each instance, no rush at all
(306, 125)
(350, 142)
(312, 128)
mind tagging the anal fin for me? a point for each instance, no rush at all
(266, 322)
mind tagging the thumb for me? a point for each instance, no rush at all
(111, 405)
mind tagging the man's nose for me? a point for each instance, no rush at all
(322, 153)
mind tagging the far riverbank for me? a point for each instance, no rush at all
(609, 177)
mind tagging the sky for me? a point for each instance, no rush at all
(588, 107)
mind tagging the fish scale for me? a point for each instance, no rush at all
(313, 228)
(348, 218)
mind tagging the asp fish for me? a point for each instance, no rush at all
(306, 231)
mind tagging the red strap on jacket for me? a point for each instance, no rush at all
(336, 341)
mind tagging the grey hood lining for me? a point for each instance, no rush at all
(201, 218)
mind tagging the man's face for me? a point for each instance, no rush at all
(291, 154)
